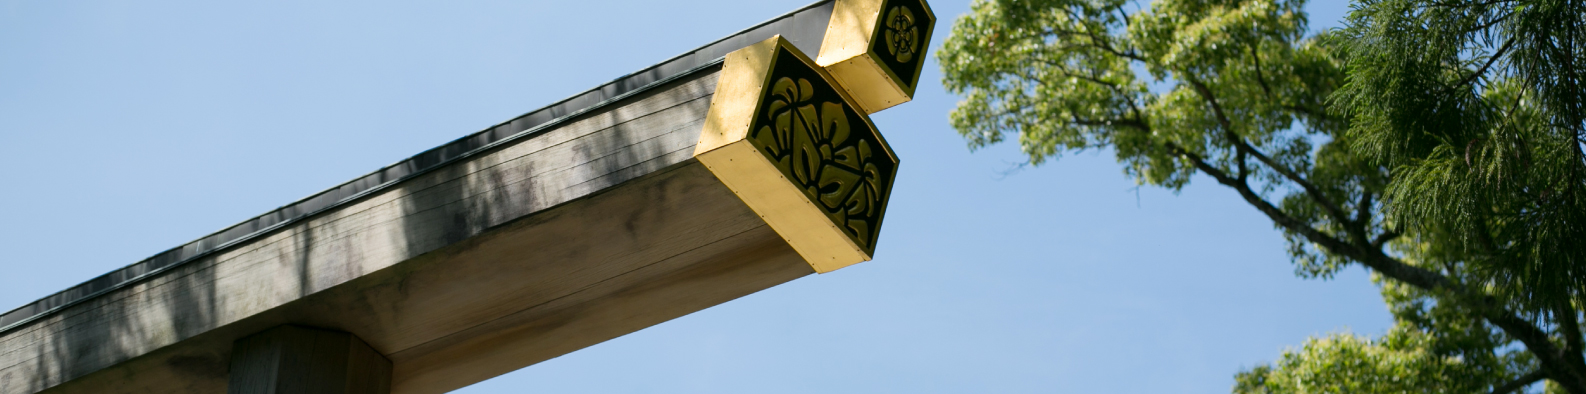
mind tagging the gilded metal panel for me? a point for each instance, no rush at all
(876, 49)
(824, 146)
(794, 146)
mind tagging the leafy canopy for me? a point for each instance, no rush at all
(1437, 143)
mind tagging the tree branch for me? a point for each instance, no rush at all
(1363, 208)
(1519, 383)
(1383, 238)
(1239, 143)
(1244, 170)
(1569, 327)
(1095, 42)
(1063, 70)
(1261, 204)
(1355, 246)
(1135, 123)
(1463, 4)
(1303, 110)
(1483, 70)
(1553, 359)
(1260, 79)
(1122, 15)
(1490, 23)
(1108, 47)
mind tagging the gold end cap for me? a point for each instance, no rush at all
(876, 49)
(784, 136)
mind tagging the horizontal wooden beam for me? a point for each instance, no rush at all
(491, 254)
(526, 232)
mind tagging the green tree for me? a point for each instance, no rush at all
(1437, 143)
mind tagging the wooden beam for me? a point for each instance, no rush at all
(732, 177)
(517, 230)
(301, 360)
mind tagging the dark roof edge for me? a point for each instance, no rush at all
(523, 126)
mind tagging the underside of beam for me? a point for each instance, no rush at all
(302, 360)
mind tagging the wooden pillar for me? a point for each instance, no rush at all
(300, 360)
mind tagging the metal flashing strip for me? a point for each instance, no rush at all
(804, 27)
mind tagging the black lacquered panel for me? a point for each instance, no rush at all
(901, 37)
(825, 147)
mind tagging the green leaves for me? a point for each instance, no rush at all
(1020, 58)
(1403, 361)
(1476, 110)
(1228, 85)
(1437, 143)
(1076, 75)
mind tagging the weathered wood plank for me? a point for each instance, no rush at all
(578, 282)
(301, 360)
(440, 208)
(749, 262)
(682, 100)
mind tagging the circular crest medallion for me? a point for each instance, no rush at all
(902, 34)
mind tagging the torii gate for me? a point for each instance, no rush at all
(712, 175)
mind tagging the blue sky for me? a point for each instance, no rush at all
(129, 128)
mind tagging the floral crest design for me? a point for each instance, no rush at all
(902, 33)
(812, 143)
